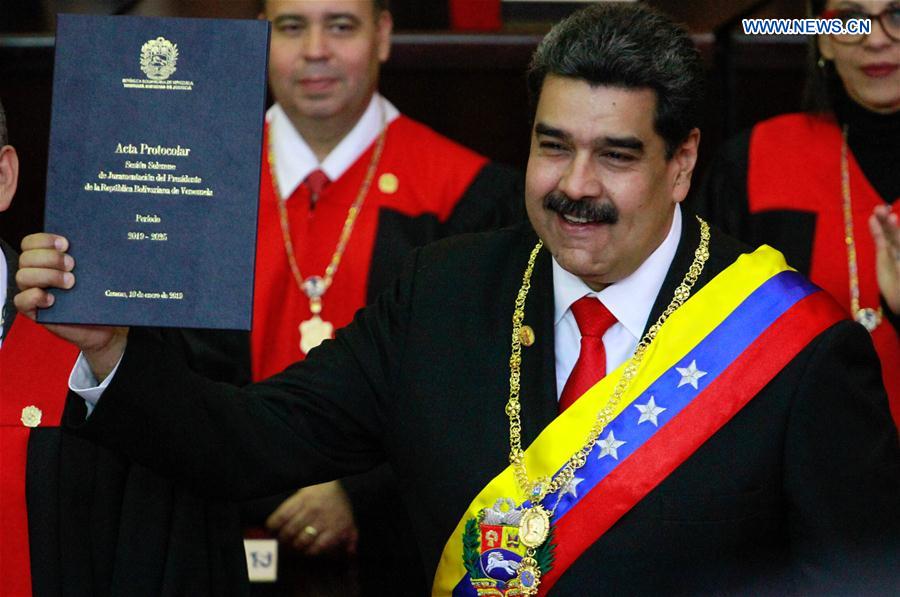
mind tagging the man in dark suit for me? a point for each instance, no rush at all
(328, 130)
(741, 441)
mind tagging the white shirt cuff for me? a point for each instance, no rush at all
(83, 382)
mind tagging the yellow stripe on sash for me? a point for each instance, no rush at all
(685, 328)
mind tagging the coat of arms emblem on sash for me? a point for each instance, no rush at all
(493, 551)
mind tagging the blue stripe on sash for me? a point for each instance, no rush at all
(713, 355)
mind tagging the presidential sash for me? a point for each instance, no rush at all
(716, 352)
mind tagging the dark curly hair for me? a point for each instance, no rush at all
(627, 45)
(379, 5)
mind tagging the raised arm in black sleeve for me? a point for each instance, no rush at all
(316, 421)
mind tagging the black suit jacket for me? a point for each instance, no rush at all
(101, 525)
(492, 200)
(801, 486)
(12, 263)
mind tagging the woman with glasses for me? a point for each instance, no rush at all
(823, 186)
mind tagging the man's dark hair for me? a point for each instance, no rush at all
(378, 4)
(632, 46)
(4, 136)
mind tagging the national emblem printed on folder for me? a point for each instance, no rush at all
(154, 168)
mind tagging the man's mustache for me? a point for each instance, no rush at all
(595, 212)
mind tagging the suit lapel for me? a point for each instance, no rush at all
(12, 262)
(538, 392)
(681, 263)
(722, 253)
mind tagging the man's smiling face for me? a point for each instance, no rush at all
(600, 191)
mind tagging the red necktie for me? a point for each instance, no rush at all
(593, 319)
(316, 181)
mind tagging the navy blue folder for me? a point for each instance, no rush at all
(153, 174)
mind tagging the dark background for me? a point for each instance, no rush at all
(469, 86)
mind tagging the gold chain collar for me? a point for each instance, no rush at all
(315, 287)
(868, 317)
(536, 491)
(534, 526)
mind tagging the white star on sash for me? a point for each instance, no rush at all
(610, 446)
(649, 411)
(690, 374)
(572, 486)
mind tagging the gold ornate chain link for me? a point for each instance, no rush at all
(537, 490)
(869, 317)
(349, 222)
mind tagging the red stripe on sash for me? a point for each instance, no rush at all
(675, 442)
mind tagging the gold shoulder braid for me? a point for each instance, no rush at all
(536, 517)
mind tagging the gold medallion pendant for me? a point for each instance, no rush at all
(534, 526)
(498, 560)
(313, 332)
(529, 576)
(870, 318)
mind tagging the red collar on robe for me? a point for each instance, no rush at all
(34, 373)
(431, 173)
(794, 164)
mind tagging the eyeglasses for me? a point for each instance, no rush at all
(889, 19)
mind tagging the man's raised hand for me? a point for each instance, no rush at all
(44, 265)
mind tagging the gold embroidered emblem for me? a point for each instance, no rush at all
(526, 335)
(31, 416)
(388, 183)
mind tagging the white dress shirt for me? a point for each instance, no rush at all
(294, 158)
(629, 300)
